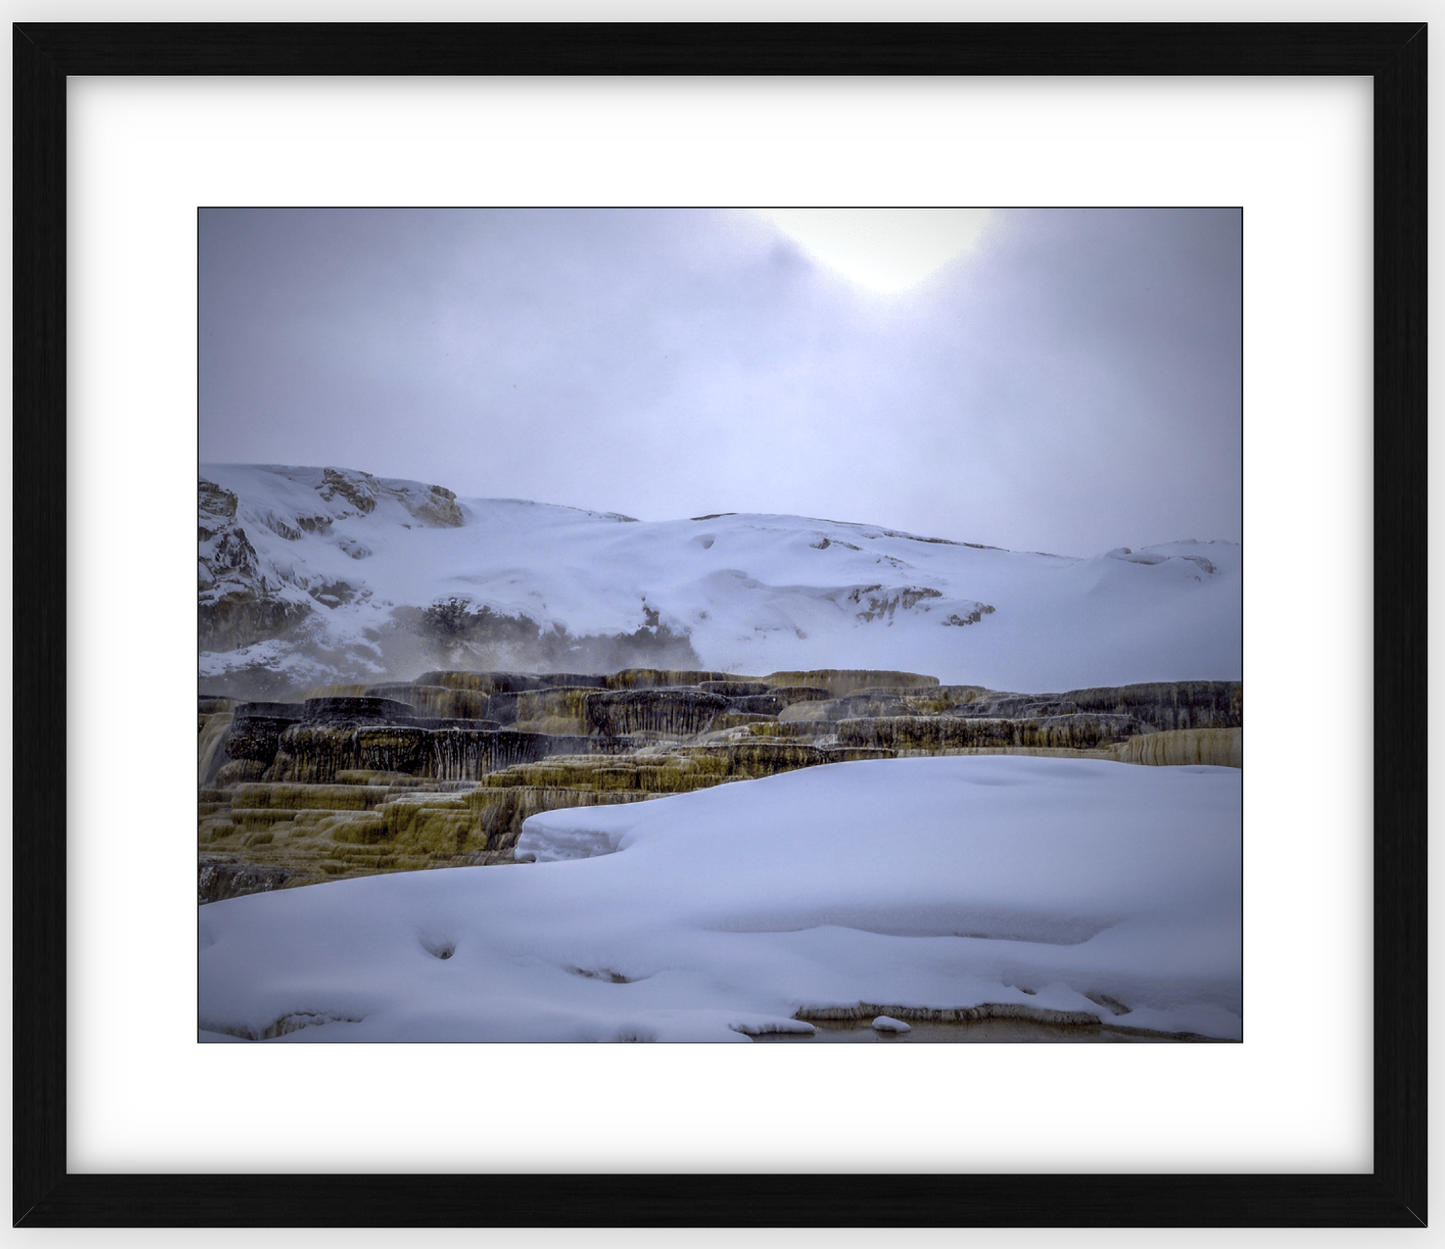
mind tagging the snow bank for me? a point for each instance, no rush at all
(936, 883)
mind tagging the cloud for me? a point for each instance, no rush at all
(1072, 383)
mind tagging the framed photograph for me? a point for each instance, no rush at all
(91, 1150)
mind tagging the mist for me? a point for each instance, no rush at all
(1070, 383)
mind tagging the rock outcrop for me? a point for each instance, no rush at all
(235, 606)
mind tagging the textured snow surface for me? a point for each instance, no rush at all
(939, 882)
(755, 593)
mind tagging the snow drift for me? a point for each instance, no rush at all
(944, 883)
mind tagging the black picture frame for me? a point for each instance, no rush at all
(1394, 55)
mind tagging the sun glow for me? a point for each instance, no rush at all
(884, 249)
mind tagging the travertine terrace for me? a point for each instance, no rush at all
(443, 771)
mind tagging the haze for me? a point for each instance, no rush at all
(1060, 380)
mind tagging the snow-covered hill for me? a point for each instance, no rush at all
(311, 576)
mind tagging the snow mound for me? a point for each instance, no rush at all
(934, 883)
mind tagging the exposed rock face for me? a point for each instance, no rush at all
(439, 509)
(235, 606)
(1170, 705)
(432, 505)
(362, 710)
(357, 780)
(314, 754)
(256, 729)
(219, 880)
(249, 592)
(231, 616)
(936, 734)
(669, 712)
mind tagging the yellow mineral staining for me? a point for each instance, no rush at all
(615, 779)
(251, 818)
(481, 682)
(239, 770)
(565, 771)
(437, 508)
(217, 827)
(346, 799)
(436, 823)
(674, 770)
(440, 702)
(1222, 748)
(840, 681)
(336, 691)
(935, 700)
(500, 813)
(748, 760)
(665, 771)
(314, 797)
(389, 780)
(562, 710)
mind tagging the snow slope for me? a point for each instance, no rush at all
(940, 882)
(754, 593)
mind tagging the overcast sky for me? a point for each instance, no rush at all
(1069, 381)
